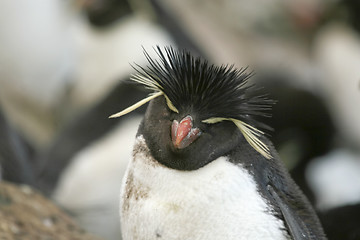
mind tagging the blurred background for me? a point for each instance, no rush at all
(64, 66)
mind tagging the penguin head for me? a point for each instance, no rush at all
(198, 111)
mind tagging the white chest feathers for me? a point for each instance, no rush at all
(217, 201)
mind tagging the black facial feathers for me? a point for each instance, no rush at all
(212, 93)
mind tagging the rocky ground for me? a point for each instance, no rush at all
(26, 214)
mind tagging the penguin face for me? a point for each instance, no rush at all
(198, 111)
(161, 127)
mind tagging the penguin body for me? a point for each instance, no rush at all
(217, 201)
(200, 167)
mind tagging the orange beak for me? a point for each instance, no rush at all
(183, 133)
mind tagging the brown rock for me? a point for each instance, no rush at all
(27, 215)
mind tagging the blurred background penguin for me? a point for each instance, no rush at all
(64, 67)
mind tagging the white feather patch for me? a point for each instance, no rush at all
(217, 201)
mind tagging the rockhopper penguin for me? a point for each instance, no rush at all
(201, 169)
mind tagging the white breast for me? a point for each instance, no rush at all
(218, 201)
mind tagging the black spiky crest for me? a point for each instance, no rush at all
(216, 92)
